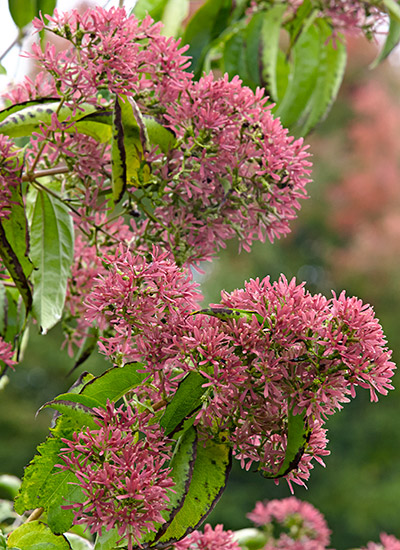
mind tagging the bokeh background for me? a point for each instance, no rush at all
(347, 236)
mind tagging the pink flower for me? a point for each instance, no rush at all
(388, 542)
(121, 468)
(291, 524)
(210, 539)
(6, 354)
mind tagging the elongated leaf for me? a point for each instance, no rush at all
(52, 250)
(297, 438)
(24, 121)
(234, 57)
(87, 348)
(22, 11)
(78, 407)
(392, 39)
(12, 109)
(270, 33)
(182, 464)
(206, 24)
(185, 401)
(393, 8)
(210, 472)
(302, 78)
(332, 64)
(45, 6)
(14, 247)
(37, 536)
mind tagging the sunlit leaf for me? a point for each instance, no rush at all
(392, 40)
(36, 536)
(22, 11)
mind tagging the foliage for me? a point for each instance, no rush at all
(122, 167)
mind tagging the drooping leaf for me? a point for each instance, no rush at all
(302, 78)
(182, 464)
(12, 316)
(129, 141)
(270, 33)
(392, 39)
(45, 6)
(210, 472)
(78, 407)
(332, 64)
(52, 250)
(206, 24)
(22, 11)
(298, 434)
(37, 536)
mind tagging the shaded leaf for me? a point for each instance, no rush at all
(154, 8)
(298, 434)
(210, 472)
(88, 346)
(175, 12)
(332, 64)
(207, 23)
(186, 400)
(37, 536)
(52, 249)
(270, 33)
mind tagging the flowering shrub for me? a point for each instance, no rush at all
(141, 454)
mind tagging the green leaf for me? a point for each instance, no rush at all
(154, 8)
(52, 252)
(186, 400)
(108, 540)
(129, 141)
(302, 78)
(45, 6)
(12, 315)
(234, 58)
(24, 119)
(77, 542)
(392, 39)
(270, 33)
(2, 69)
(14, 246)
(78, 407)
(250, 538)
(159, 135)
(37, 536)
(206, 25)
(87, 347)
(175, 12)
(393, 8)
(22, 11)
(182, 464)
(210, 472)
(114, 383)
(42, 481)
(332, 64)
(298, 434)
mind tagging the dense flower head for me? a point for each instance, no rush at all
(234, 170)
(121, 468)
(6, 354)
(210, 539)
(291, 523)
(269, 353)
(10, 174)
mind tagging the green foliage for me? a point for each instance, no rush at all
(36, 536)
(208, 479)
(52, 252)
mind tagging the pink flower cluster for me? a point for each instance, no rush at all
(6, 354)
(232, 168)
(121, 468)
(291, 523)
(388, 542)
(284, 352)
(209, 539)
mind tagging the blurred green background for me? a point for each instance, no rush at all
(347, 236)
